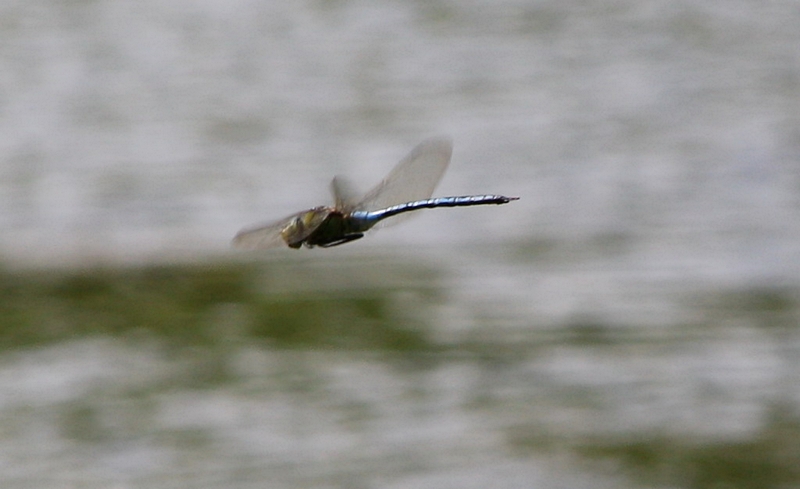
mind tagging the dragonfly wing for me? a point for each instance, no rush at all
(414, 178)
(296, 228)
(345, 196)
(262, 236)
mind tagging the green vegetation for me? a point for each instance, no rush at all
(766, 460)
(202, 304)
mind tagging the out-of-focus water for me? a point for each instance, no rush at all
(632, 317)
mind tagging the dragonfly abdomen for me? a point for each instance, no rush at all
(459, 201)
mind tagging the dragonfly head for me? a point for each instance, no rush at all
(299, 228)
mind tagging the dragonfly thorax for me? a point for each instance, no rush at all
(321, 226)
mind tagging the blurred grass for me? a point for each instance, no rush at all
(286, 305)
(769, 459)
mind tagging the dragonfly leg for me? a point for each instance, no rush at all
(344, 239)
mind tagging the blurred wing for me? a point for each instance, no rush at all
(414, 178)
(262, 236)
(345, 196)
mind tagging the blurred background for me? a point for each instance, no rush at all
(632, 321)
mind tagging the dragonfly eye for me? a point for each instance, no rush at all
(307, 218)
(295, 226)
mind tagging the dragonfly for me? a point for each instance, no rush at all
(408, 187)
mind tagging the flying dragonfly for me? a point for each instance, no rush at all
(407, 188)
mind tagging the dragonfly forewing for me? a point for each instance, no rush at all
(262, 236)
(414, 178)
(289, 231)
